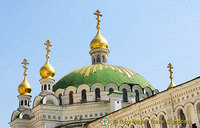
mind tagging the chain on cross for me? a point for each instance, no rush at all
(48, 44)
(97, 13)
(25, 63)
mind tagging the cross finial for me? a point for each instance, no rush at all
(47, 48)
(97, 13)
(25, 63)
(170, 70)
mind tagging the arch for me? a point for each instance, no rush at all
(50, 102)
(69, 89)
(71, 100)
(49, 87)
(25, 102)
(15, 115)
(137, 96)
(60, 98)
(45, 87)
(26, 117)
(181, 116)
(164, 123)
(50, 99)
(126, 86)
(147, 91)
(59, 91)
(111, 85)
(137, 87)
(22, 102)
(153, 117)
(97, 85)
(26, 114)
(97, 94)
(83, 96)
(83, 86)
(103, 59)
(37, 101)
(98, 59)
(125, 95)
(42, 88)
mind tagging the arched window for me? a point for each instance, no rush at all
(97, 94)
(50, 102)
(83, 96)
(137, 98)
(148, 124)
(125, 96)
(111, 90)
(182, 117)
(71, 97)
(26, 116)
(49, 87)
(98, 59)
(45, 87)
(147, 94)
(25, 102)
(21, 102)
(103, 58)
(164, 123)
(60, 98)
(42, 88)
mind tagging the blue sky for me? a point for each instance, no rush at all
(143, 36)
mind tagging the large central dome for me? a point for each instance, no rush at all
(101, 73)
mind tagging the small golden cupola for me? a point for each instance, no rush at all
(25, 88)
(99, 41)
(47, 71)
(171, 77)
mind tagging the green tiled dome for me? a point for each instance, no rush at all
(101, 73)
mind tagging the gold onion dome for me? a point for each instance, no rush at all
(47, 71)
(99, 42)
(25, 88)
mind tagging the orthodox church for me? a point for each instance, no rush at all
(101, 95)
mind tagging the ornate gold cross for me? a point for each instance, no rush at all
(97, 13)
(47, 48)
(170, 70)
(25, 63)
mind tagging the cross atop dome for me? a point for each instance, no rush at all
(97, 13)
(25, 63)
(171, 77)
(48, 44)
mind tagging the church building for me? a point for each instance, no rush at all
(101, 95)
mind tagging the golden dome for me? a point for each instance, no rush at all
(99, 42)
(24, 88)
(47, 71)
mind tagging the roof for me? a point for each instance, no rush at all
(103, 74)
